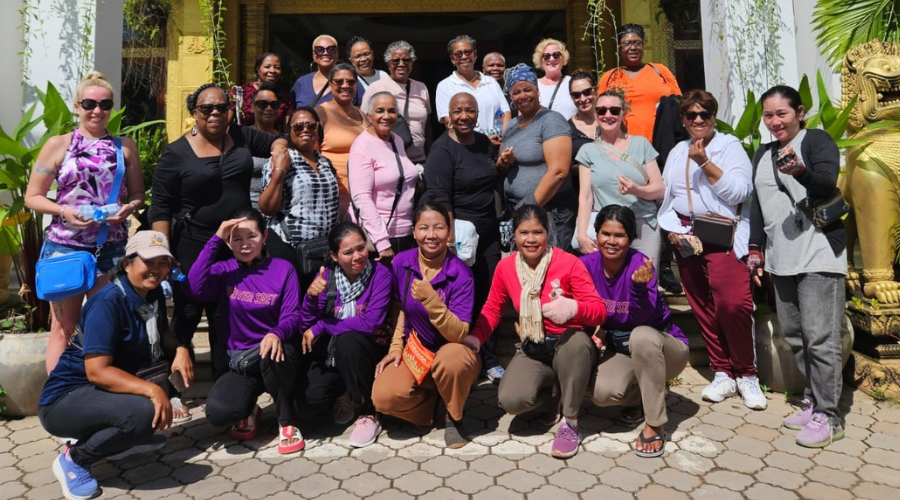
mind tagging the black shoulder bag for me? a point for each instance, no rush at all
(821, 215)
(399, 191)
(401, 128)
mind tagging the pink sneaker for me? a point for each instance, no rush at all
(819, 432)
(365, 431)
(565, 444)
(798, 420)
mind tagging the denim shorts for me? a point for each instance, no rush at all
(110, 254)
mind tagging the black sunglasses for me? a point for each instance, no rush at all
(460, 53)
(340, 83)
(207, 109)
(89, 104)
(299, 126)
(692, 115)
(555, 55)
(582, 93)
(321, 51)
(615, 110)
(263, 104)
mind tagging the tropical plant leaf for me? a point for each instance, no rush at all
(844, 24)
(724, 127)
(131, 129)
(805, 91)
(837, 129)
(749, 120)
(827, 113)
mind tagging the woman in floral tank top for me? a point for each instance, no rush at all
(83, 165)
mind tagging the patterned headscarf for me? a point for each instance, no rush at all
(520, 73)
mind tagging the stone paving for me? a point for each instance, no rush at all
(721, 452)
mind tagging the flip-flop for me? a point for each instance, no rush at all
(290, 432)
(628, 421)
(248, 427)
(652, 454)
(178, 406)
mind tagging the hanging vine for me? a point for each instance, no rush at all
(752, 31)
(212, 12)
(597, 9)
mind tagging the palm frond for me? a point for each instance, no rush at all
(843, 24)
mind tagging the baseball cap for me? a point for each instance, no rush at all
(148, 245)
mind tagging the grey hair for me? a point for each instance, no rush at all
(399, 45)
(461, 38)
(370, 105)
(495, 54)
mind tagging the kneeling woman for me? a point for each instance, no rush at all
(347, 305)
(426, 359)
(643, 347)
(93, 394)
(555, 298)
(259, 298)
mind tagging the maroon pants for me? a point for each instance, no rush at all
(717, 286)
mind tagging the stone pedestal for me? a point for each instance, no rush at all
(23, 371)
(876, 351)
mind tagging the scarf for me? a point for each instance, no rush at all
(349, 292)
(148, 313)
(531, 321)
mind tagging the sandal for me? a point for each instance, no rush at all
(664, 438)
(247, 428)
(630, 417)
(178, 408)
(287, 433)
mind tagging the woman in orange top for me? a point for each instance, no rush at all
(643, 83)
(342, 122)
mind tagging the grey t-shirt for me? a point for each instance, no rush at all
(791, 251)
(605, 172)
(528, 146)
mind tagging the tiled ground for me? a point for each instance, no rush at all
(717, 452)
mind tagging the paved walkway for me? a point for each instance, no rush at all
(718, 452)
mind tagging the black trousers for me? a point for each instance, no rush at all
(487, 258)
(354, 372)
(104, 423)
(234, 395)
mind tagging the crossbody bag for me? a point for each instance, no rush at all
(370, 246)
(401, 128)
(821, 215)
(711, 228)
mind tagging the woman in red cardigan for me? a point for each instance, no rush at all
(556, 300)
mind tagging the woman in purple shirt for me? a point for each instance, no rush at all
(643, 347)
(341, 320)
(259, 300)
(426, 360)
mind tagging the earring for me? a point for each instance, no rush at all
(194, 130)
(449, 126)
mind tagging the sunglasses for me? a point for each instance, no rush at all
(340, 83)
(300, 126)
(207, 109)
(262, 104)
(460, 53)
(692, 115)
(548, 56)
(404, 60)
(89, 104)
(631, 43)
(615, 110)
(582, 93)
(321, 51)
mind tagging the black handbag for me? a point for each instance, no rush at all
(313, 254)
(245, 362)
(541, 351)
(712, 228)
(157, 373)
(821, 215)
(618, 341)
(401, 128)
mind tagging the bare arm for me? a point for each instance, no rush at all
(270, 200)
(585, 206)
(43, 174)
(558, 154)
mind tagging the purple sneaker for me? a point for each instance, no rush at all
(819, 433)
(565, 444)
(798, 420)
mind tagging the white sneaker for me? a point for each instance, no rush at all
(754, 398)
(721, 387)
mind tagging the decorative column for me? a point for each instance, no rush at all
(190, 64)
(254, 28)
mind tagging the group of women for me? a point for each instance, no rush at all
(348, 299)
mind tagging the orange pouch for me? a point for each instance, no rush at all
(417, 357)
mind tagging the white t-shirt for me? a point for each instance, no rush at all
(488, 94)
(562, 104)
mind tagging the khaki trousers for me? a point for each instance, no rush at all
(529, 383)
(640, 378)
(455, 368)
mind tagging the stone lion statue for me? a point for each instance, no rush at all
(871, 180)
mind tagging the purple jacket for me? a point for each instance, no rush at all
(253, 300)
(453, 285)
(629, 306)
(371, 308)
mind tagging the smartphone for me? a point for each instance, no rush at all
(177, 381)
(687, 248)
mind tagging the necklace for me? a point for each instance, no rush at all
(470, 80)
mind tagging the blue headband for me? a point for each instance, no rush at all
(520, 73)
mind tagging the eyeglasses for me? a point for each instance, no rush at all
(340, 83)
(404, 60)
(548, 56)
(360, 56)
(582, 93)
(459, 53)
(207, 109)
(299, 126)
(261, 104)
(692, 115)
(89, 104)
(321, 51)
(615, 110)
(631, 43)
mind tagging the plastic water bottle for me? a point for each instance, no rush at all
(167, 289)
(176, 275)
(498, 123)
(98, 214)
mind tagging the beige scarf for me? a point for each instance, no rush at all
(531, 321)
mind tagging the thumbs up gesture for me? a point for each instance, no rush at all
(318, 285)
(421, 289)
(560, 309)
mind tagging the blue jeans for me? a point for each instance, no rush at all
(810, 310)
(110, 253)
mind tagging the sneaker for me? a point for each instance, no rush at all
(565, 444)
(798, 420)
(668, 281)
(343, 413)
(753, 396)
(365, 431)
(76, 481)
(153, 443)
(721, 387)
(818, 432)
(495, 374)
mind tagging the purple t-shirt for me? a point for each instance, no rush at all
(453, 285)
(629, 306)
(254, 300)
(371, 307)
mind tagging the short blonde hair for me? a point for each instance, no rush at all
(539, 52)
(327, 37)
(93, 79)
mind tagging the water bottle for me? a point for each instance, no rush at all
(176, 275)
(98, 214)
(498, 122)
(167, 289)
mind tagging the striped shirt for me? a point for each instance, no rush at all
(309, 200)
